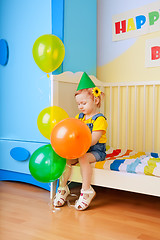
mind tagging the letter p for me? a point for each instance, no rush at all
(140, 20)
(153, 17)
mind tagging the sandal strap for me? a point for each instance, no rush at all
(82, 202)
(89, 191)
(63, 188)
(61, 200)
(61, 197)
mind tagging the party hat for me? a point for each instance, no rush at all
(85, 82)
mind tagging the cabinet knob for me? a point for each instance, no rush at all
(3, 52)
(19, 153)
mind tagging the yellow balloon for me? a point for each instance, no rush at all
(48, 52)
(48, 118)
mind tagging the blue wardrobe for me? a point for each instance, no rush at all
(24, 88)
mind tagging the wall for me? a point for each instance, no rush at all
(121, 61)
(124, 61)
(80, 31)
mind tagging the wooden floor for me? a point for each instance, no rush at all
(113, 215)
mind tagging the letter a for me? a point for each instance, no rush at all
(131, 25)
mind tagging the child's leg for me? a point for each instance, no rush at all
(67, 172)
(86, 169)
(63, 190)
(87, 192)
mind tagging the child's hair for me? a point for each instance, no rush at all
(89, 92)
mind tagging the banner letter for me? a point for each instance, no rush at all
(153, 17)
(123, 28)
(131, 25)
(140, 20)
(155, 52)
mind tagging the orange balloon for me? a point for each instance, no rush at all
(71, 138)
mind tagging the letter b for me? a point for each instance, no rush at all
(155, 52)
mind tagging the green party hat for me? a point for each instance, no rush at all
(85, 82)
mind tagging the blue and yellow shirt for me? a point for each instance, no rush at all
(100, 124)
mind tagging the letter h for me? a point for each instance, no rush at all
(119, 28)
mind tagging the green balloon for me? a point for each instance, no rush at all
(45, 165)
(48, 52)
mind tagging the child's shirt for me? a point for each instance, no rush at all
(100, 124)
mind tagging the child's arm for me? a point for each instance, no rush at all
(96, 135)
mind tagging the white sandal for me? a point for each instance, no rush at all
(61, 198)
(83, 203)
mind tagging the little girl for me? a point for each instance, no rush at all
(88, 98)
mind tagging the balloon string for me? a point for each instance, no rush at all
(62, 177)
(68, 201)
(52, 207)
(55, 209)
(42, 76)
(68, 165)
(72, 195)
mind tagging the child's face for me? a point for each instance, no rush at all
(85, 103)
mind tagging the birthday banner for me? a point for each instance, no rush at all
(136, 22)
